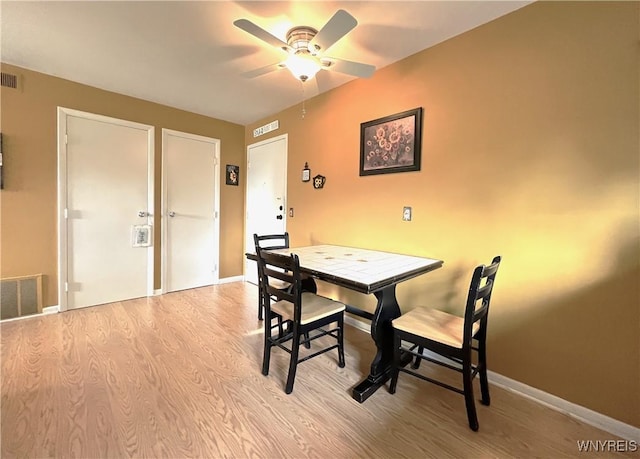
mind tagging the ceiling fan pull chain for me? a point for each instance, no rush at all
(303, 109)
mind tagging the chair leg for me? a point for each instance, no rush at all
(395, 364)
(341, 342)
(266, 357)
(416, 363)
(260, 308)
(293, 363)
(467, 381)
(482, 364)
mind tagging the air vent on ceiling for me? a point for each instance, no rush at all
(10, 81)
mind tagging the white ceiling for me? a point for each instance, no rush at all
(189, 55)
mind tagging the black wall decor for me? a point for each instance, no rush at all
(233, 175)
(318, 181)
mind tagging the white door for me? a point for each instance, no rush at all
(105, 194)
(190, 210)
(266, 194)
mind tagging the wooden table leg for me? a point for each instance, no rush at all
(387, 309)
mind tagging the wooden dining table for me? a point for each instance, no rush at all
(370, 272)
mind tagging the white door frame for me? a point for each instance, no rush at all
(164, 210)
(62, 193)
(250, 247)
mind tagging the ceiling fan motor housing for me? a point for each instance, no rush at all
(299, 38)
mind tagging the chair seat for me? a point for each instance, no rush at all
(435, 325)
(314, 307)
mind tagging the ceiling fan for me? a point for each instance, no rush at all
(305, 47)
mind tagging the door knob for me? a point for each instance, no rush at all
(172, 214)
(142, 213)
(279, 217)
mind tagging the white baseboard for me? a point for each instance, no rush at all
(225, 280)
(51, 309)
(228, 280)
(593, 418)
(613, 426)
(360, 325)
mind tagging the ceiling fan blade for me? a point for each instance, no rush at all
(323, 82)
(338, 26)
(357, 69)
(263, 70)
(260, 33)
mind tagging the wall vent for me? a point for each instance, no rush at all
(20, 296)
(9, 80)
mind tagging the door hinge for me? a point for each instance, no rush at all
(66, 139)
(66, 213)
(66, 286)
(215, 214)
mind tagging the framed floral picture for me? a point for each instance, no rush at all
(391, 144)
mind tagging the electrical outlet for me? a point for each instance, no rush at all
(406, 214)
(290, 211)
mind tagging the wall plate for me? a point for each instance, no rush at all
(406, 214)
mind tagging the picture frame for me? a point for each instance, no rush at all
(391, 144)
(232, 175)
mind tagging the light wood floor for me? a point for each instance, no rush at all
(178, 376)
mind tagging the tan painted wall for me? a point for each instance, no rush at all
(29, 201)
(531, 151)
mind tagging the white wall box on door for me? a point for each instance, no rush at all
(190, 210)
(105, 189)
(266, 194)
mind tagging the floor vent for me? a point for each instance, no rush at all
(8, 80)
(20, 296)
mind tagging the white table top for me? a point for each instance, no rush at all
(360, 269)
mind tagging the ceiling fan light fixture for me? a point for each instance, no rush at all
(302, 66)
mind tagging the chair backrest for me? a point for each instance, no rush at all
(269, 242)
(272, 241)
(284, 268)
(478, 300)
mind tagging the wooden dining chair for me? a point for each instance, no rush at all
(453, 339)
(308, 315)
